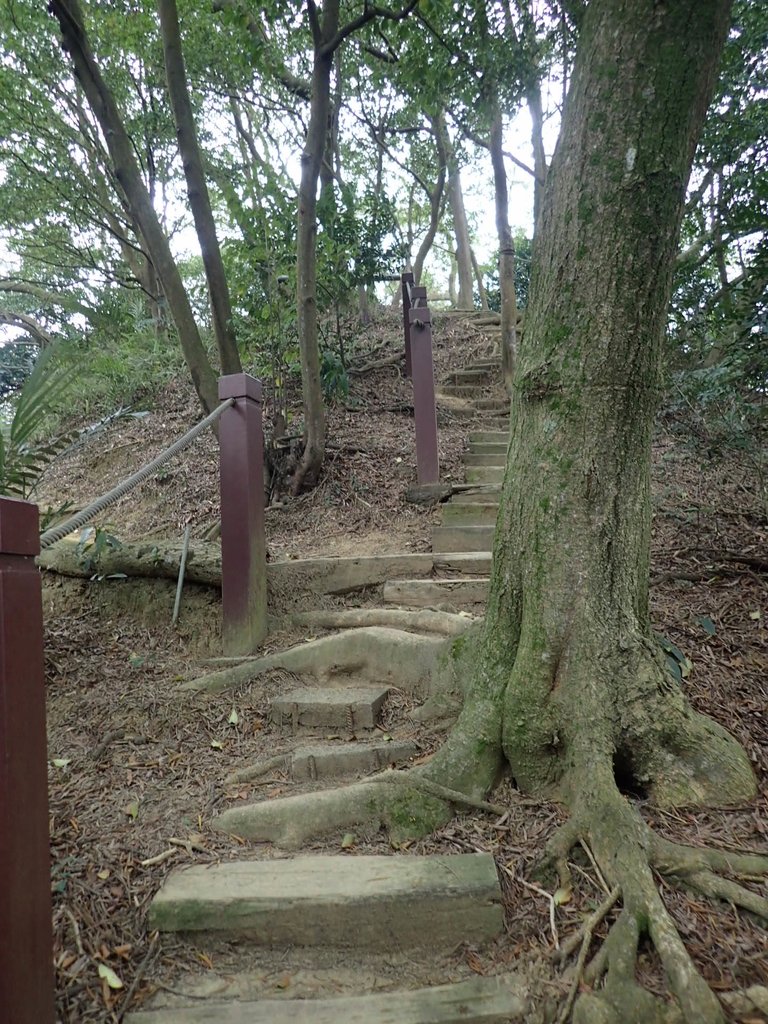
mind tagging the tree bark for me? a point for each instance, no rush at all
(460, 226)
(197, 189)
(435, 197)
(102, 103)
(506, 251)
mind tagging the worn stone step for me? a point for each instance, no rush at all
(462, 538)
(489, 447)
(492, 404)
(484, 364)
(486, 436)
(330, 707)
(365, 902)
(484, 474)
(480, 493)
(470, 513)
(474, 563)
(461, 390)
(430, 593)
(485, 458)
(499, 999)
(471, 375)
(327, 760)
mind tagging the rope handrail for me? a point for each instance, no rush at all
(57, 533)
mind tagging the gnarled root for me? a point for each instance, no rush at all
(627, 852)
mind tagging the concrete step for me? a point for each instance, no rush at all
(477, 375)
(462, 538)
(489, 437)
(480, 493)
(484, 474)
(485, 458)
(329, 760)
(330, 707)
(431, 593)
(472, 563)
(462, 390)
(364, 902)
(470, 513)
(492, 405)
(484, 364)
(489, 447)
(499, 999)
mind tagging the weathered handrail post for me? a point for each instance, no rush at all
(406, 279)
(26, 930)
(424, 412)
(243, 544)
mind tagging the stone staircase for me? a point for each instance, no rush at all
(354, 906)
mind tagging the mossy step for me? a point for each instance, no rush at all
(470, 513)
(499, 999)
(484, 474)
(462, 538)
(430, 593)
(330, 707)
(475, 563)
(364, 902)
(485, 458)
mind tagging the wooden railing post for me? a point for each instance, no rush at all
(424, 411)
(26, 932)
(406, 279)
(243, 544)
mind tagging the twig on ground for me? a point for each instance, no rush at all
(137, 977)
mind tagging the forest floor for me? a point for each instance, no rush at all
(136, 775)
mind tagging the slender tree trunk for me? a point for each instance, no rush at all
(102, 103)
(479, 278)
(460, 227)
(197, 189)
(435, 198)
(306, 250)
(506, 252)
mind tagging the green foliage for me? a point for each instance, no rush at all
(333, 377)
(23, 456)
(93, 544)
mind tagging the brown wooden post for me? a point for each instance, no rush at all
(26, 932)
(406, 279)
(425, 414)
(243, 544)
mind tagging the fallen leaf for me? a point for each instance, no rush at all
(234, 718)
(109, 976)
(132, 809)
(348, 841)
(217, 744)
(61, 762)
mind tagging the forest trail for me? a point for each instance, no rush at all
(159, 786)
(350, 705)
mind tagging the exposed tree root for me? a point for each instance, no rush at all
(422, 621)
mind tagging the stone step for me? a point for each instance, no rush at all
(486, 436)
(364, 902)
(473, 563)
(471, 375)
(484, 364)
(327, 760)
(462, 538)
(493, 404)
(489, 447)
(485, 458)
(330, 707)
(485, 474)
(499, 999)
(471, 513)
(480, 493)
(461, 390)
(430, 593)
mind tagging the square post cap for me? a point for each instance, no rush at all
(240, 385)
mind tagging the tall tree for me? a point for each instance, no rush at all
(128, 173)
(567, 685)
(197, 189)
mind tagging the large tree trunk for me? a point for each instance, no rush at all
(197, 189)
(102, 103)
